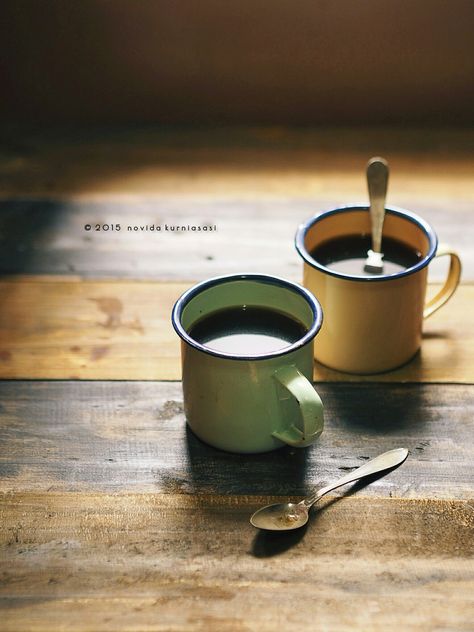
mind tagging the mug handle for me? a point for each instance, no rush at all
(310, 405)
(450, 285)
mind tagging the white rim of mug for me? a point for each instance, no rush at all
(259, 278)
(391, 210)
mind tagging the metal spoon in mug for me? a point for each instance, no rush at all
(377, 182)
(286, 516)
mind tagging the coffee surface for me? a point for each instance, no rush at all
(247, 331)
(348, 254)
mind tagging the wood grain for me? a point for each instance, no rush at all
(66, 328)
(173, 562)
(113, 515)
(63, 329)
(326, 163)
(47, 236)
(131, 436)
(255, 184)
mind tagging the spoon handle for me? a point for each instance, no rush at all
(384, 461)
(377, 182)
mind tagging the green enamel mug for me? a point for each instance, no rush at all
(255, 402)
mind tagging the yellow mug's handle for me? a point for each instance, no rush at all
(451, 283)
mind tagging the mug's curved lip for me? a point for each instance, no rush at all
(391, 210)
(262, 278)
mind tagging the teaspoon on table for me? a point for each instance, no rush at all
(286, 516)
(377, 182)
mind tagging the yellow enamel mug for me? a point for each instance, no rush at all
(372, 323)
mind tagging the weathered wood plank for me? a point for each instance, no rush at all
(256, 185)
(57, 328)
(48, 236)
(116, 437)
(427, 163)
(63, 328)
(174, 562)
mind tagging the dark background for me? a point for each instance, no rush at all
(310, 62)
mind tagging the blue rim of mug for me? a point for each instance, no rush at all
(391, 210)
(259, 278)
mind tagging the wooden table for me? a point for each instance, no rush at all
(113, 515)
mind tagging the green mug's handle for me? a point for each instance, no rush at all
(451, 283)
(309, 403)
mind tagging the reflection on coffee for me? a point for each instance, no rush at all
(247, 331)
(347, 254)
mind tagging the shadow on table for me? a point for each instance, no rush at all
(272, 473)
(368, 412)
(377, 408)
(28, 230)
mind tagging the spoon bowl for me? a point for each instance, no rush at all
(281, 517)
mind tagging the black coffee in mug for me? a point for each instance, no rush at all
(247, 330)
(348, 253)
